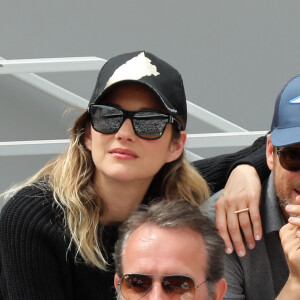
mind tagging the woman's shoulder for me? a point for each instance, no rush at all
(26, 198)
(28, 206)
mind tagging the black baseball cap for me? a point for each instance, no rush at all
(149, 70)
(285, 128)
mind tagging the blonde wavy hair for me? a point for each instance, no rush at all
(70, 177)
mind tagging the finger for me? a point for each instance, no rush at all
(293, 209)
(221, 224)
(235, 233)
(291, 248)
(297, 200)
(256, 221)
(285, 231)
(294, 221)
(290, 241)
(245, 224)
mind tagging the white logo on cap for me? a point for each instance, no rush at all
(295, 100)
(135, 68)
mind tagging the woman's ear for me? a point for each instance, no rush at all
(88, 137)
(176, 147)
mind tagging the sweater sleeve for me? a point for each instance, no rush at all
(216, 170)
(29, 243)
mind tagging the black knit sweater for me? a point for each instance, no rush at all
(34, 261)
(217, 169)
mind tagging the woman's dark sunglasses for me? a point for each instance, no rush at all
(289, 158)
(136, 286)
(147, 124)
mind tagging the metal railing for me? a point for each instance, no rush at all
(24, 69)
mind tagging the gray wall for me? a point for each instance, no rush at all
(234, 56)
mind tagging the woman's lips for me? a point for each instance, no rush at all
(123, 153)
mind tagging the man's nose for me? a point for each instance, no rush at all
(157, 292)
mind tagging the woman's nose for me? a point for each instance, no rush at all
(126, 131)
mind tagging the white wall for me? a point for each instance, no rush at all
(234, 56)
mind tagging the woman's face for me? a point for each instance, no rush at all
(123, 156)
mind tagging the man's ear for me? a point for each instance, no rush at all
(269, 153)
(220, 288)
(116, 281)
(176, 147)
(88, 137)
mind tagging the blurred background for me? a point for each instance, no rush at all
(234, 56)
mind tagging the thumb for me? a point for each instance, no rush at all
(298, 199)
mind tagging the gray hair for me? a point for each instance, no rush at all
(176, 214)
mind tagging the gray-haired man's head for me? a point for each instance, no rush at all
(170, 238)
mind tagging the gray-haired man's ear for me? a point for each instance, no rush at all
(116, 281)
(220, 289)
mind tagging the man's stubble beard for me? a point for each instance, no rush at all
(283, 193)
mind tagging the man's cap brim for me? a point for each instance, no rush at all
(285, 136)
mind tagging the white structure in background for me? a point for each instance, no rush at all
(24, 69)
